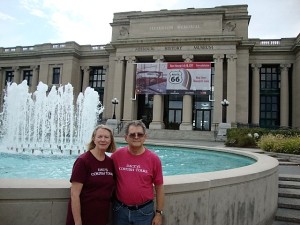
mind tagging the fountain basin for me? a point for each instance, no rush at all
(241, 196)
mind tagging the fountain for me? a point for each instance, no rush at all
(51, 124)
(48, 122)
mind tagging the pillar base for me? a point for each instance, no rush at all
(186, 126)
(156, 125)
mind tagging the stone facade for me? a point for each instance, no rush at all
(260, 78)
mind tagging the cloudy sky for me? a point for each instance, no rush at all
(31, 22)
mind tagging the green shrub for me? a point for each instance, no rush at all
(268, 142)
(244, 137)
(280, 143)
(281, 140)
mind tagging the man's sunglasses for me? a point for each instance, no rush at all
(134, 135)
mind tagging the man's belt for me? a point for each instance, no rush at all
(134, 207)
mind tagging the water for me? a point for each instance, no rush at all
(43, 133)
(175, 161)
(48, 119)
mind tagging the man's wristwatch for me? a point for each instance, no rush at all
(159, 211)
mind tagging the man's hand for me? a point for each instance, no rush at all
(157, 220)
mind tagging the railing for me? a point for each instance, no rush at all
(53, 47)
(246, 125)
(251, 125)
(120, 126)
(270, 42)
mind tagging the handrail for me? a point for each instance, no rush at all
(120, 126)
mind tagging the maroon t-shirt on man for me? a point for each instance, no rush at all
(98, 182)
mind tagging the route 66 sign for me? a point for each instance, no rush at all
(175, 77)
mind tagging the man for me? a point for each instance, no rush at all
(137, 170)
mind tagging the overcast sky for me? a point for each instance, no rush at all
(31, 22)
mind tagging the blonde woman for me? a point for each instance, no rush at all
(92, 181)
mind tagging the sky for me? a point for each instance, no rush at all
(87, 22)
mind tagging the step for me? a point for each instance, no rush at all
(287, 163)
(289, 177)
(284, 223)
(289, 184)
(288, 215)
(290, 203)
(289, 193)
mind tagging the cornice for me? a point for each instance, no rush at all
(185, 40)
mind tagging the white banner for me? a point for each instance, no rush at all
(173, 78)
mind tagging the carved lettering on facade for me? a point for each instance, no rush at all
(155, 28)
(188, 27)
(173, 48)
(202, 47)
(144, 49)
(176, 27)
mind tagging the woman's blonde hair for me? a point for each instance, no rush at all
(111, 148)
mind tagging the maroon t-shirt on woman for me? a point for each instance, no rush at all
(98, 182)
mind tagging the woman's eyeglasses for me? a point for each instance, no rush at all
(134, 135)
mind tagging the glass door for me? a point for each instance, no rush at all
(202, 120)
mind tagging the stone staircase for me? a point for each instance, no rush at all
(288, 212)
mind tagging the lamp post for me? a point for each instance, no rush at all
(114, 101)
(224, 103)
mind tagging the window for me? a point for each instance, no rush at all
(270, 96)
(56, 75)
(174, 112)
(97, 77)
(97, 81)
(269, 78)
(9, 76)
(27, 75)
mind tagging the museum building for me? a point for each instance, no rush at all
(260, 79)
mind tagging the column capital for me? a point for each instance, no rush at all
(105, 67)
(231, 57)
(255, 66)
(35, 67)
(86, 68)
(16, 68)
(218, 57)
(119, 59)
(130, 59)
(284, 67)
(188, 58)
(158, 58)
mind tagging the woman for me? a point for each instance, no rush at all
(93, 181)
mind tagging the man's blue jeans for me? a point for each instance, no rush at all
(123, 216)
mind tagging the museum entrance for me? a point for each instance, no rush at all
(145, 108)
(202, 120)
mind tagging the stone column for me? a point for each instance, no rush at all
(35, 78)
(119, 86)
(218, 88)
(158, 105)
(187, 104)
(2, 85)
(86, 77)
(129, 104)
(295, 83)
(255, 93)
(2, 79)
(17, 74)
(107, 85)
(284, 95)
(231, 88)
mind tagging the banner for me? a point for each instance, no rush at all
(173, 78)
